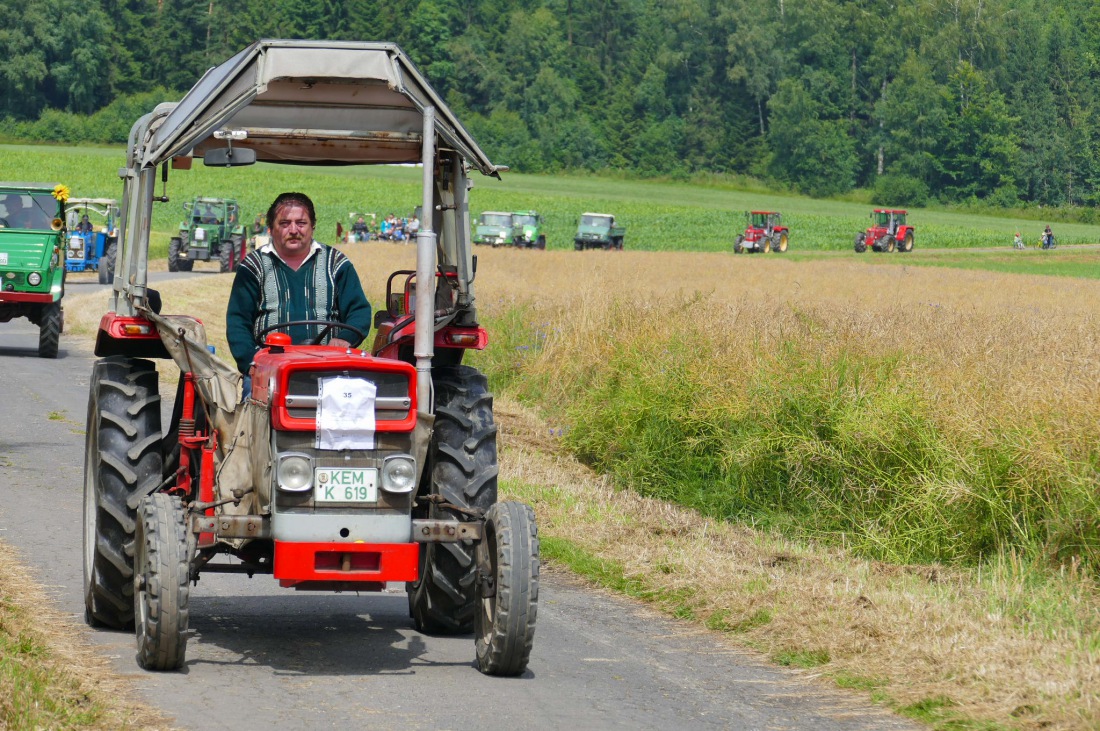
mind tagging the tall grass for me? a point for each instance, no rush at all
(908, 431)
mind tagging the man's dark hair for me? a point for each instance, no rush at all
(297, 199)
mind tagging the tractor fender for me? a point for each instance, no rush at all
(131, 336)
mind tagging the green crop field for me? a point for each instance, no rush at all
(658, 215)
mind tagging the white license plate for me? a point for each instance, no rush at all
(345, 485)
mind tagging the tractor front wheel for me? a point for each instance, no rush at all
(49, 330)
(739, 244)
(122, 461)
(781, 243)
(462, 469)
(225, 255)
(174, 254)
(508, 589)
(106, 267)
(541, 245)
(764, 244)
(161, 566)
(889, 245)
(861, 243)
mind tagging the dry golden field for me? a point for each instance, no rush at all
(988, 351)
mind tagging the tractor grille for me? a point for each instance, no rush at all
(386, 444)
(392, 402)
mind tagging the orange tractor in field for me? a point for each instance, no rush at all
(763, 233)
(888, 232)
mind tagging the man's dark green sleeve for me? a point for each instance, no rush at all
(243, 309)
(352, 302)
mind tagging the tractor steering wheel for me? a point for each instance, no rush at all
(329, 325)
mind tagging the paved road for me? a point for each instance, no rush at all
(264, 657)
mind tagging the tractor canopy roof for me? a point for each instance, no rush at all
(82, 202)
(28, 187)
(890, 210)
(310, 102)
(763, 213)
(599, 215)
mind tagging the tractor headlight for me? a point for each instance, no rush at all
(34, 279)
(295, 472)
(399, 473)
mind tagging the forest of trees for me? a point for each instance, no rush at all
(952, 100)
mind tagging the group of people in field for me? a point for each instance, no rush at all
(1046, 240)
(391, 228)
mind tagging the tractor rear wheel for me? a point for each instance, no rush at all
(739, 244)
(541, 245)
(162, 558)
(462, 469)
(106, 267)
(861, 243)
(907, 242)
(49, 330)
(122, 461)
(781, 245)
(577, 245)
(508, 589)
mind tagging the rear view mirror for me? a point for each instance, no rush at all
(228, 157)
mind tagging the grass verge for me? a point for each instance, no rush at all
(49, 677)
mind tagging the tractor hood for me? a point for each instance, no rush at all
(312, 102)
(26, 250)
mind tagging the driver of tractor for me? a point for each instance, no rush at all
(208, 215)
(293, 278)
(85, 225)
(16, 215)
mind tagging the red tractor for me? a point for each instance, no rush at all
(345, 469)
(763, 233)
(889, 232)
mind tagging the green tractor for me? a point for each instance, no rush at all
(494, 228)
(598, 231)
(211, 231)
(32, 272)
(527, 230)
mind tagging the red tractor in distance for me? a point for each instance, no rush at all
(888, 232)
(763, 233)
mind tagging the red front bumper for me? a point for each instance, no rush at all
(44, 298)
(297, 563)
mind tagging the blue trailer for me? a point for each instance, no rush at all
(92, 238)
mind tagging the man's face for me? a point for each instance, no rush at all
(292, 233)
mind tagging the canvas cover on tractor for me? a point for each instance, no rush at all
(317, 102)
